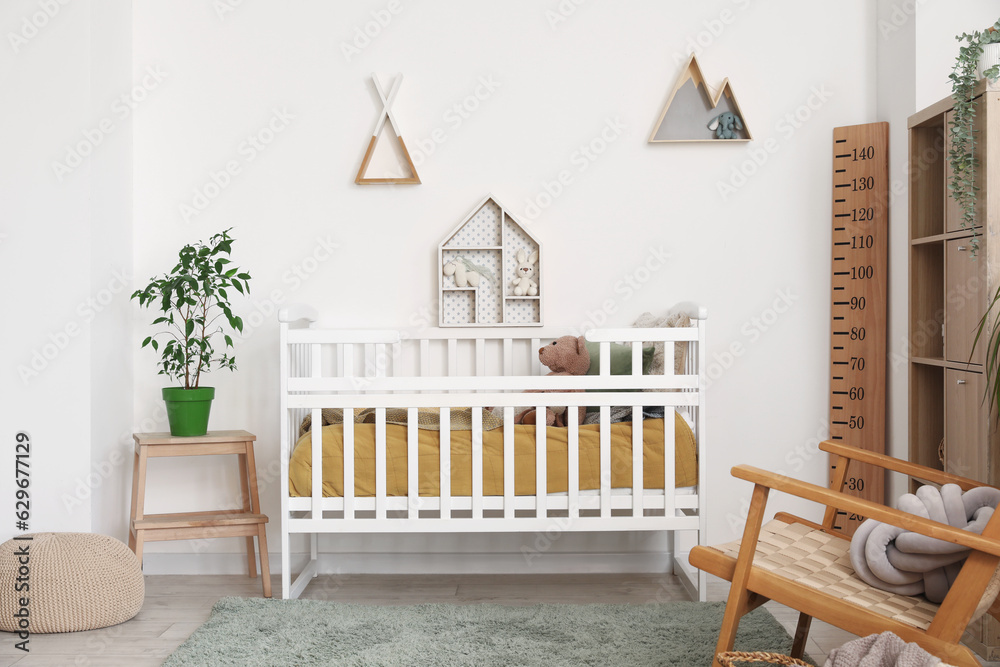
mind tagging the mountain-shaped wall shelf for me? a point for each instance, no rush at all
(692, 106)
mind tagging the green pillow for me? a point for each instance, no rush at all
(621, 363)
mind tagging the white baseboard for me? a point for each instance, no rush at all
(420, 563)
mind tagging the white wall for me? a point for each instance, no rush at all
(45, 237)
(200, 82)
(896, 45)
(111, 405)
(749, 254)
(65, 255)
(937, 25)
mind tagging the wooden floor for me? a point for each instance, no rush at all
(176, 605)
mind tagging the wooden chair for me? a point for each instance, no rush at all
(806, 566)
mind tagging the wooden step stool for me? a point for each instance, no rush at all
(244, 522)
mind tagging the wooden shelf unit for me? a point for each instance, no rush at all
(948, 294)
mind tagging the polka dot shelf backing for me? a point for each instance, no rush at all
(477, 264)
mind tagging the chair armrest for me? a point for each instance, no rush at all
(898, 465)
(869, 509)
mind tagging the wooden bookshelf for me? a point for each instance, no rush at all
(949, 290)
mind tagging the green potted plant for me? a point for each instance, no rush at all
(190, 300)
(978, 57)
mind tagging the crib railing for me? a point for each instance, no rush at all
(449, 369)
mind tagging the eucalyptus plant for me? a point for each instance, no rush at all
(961, 154)
(191, 298)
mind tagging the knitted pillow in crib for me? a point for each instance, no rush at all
(78, 581)
(621, 358)
(621, 363)
(672, 319)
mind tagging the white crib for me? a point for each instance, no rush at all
(453, 368)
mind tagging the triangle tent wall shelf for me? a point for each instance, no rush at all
(693, 107)
(386, 115)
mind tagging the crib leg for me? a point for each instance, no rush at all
(286, 567)
(314, 553)
(671, 551)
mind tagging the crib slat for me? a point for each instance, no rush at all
(316, 442)
(669, 477)
(536, 365)
(637, 451)
(573, 466)
(347, 370)
(425, 358)
(637, 447)
(397, 357)
(541, 459)
(508, 357)
(605, 453)
(380, 453)
(349, 463)
(668, 358)
(605, 369)
(317, 360)
(412, 465)
(380, 360)
(508, 462)
(445, 463)
(369, 368)
(452, 357)
(477, 463)
(480, 357)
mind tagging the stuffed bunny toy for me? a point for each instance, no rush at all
(463, 278)
(726, 125)
(525, 270)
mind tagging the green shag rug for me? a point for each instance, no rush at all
(249, 632)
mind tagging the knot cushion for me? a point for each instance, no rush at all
(908, 563)
(76, 581)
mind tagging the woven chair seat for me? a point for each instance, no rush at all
(78, 581)
(822, 561)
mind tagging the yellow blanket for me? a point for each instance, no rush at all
(300, 467)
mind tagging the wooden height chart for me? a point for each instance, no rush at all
(858, 320)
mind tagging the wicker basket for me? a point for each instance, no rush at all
(731, 658)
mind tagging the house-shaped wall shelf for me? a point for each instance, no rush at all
(489, 237)
(691, 107)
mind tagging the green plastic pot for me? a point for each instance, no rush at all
(187, 410)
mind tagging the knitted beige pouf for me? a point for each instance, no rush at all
(76, 581)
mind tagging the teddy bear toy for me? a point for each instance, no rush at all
(564, 356)
(523, 272)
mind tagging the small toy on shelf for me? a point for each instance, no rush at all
(726, 125)
(467, 274)
(523, 273)
(456, 268)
